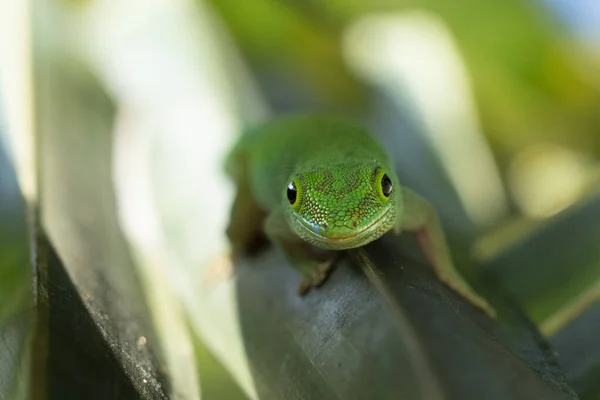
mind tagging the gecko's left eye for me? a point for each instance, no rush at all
(292, 193)
(386, 185)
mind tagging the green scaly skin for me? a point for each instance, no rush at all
(337, 169)
(342, 206)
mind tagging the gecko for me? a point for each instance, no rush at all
(315, 185)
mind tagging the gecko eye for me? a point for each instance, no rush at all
(386, 185)
(291, 193)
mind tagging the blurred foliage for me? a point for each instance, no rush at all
(16, 285)
(519, 58)
(15, 276)
(216, 382)
(547, 270)
(579, 352)
(287, 46)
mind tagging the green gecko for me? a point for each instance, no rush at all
(317, 184)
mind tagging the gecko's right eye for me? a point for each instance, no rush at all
(386, 185)
(383, 185)
(292, 193)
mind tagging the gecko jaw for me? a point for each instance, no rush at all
(344, 241)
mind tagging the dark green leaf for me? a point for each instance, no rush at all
(555, 263)
(578, 351)
(16, 288)
(399, 334)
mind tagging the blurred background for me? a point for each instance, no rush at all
(115, 117)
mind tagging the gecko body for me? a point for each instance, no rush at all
(315, 185)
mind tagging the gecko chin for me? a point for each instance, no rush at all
(347, 238)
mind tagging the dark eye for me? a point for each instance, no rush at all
(291, 192)
(386, 185)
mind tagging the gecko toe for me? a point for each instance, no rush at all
(317, 276)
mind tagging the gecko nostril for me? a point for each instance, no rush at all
(354, 224)
(324, 225)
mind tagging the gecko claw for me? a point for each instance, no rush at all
(317, 276)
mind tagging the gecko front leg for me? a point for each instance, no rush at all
(313, 264)
(420, 217)
(245, 229)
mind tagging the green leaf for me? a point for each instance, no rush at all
(579, 352)
(555, 263)
(16, 288)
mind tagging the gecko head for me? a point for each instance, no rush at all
(342, 206)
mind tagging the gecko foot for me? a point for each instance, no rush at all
(460, 286)
(315, 276)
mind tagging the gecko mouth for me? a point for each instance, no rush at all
(344, 241)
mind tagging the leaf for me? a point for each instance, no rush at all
(579, 352)
(15, 345)
(400, 334)
(101, 327)
(554, 264)
(16, 289)
(81, 359)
